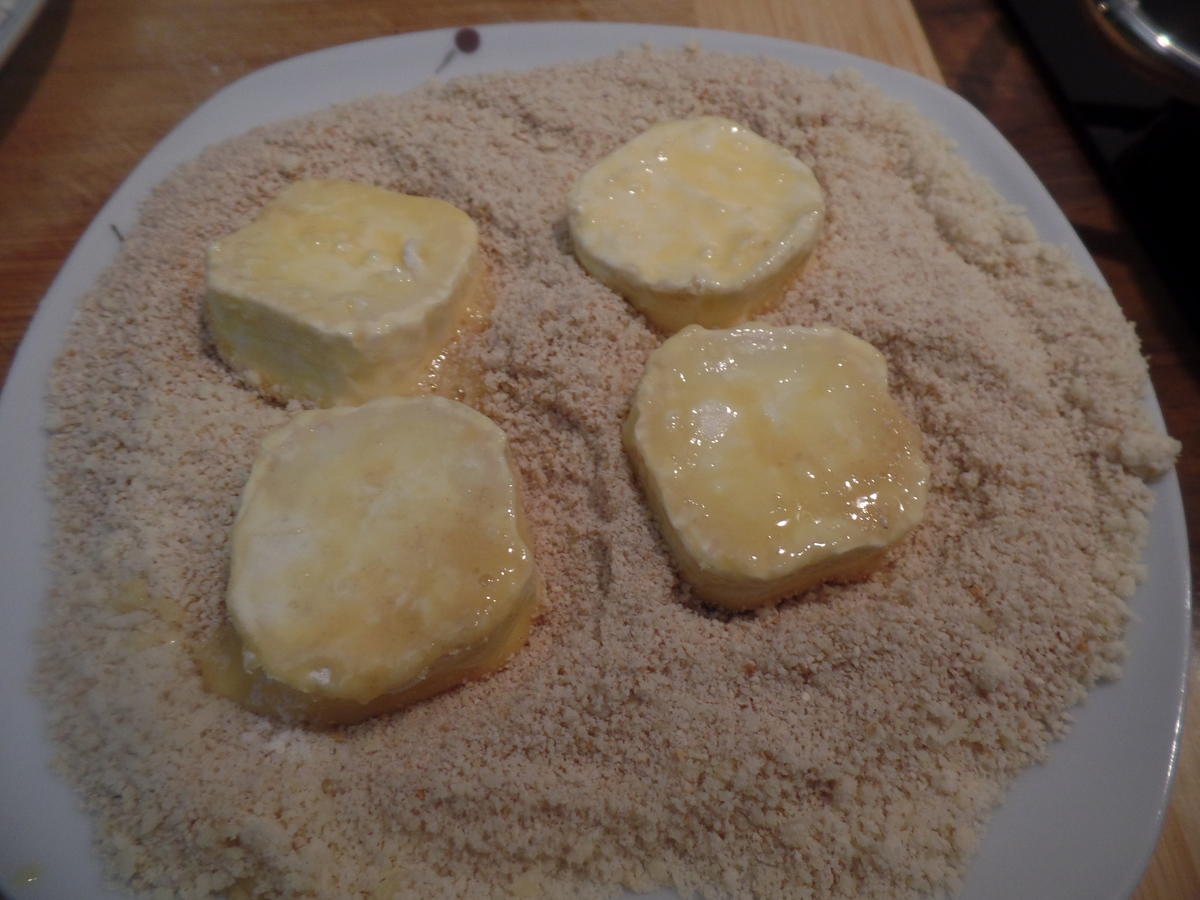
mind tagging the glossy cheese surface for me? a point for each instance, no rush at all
(341, 292)
(774, 458)
(379, 548)
(696, 221)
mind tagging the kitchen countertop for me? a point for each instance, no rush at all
(96, 84)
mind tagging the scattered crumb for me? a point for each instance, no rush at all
(847, 744)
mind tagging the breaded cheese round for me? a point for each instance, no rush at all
(380, 555)
(773, 459)
(696, 221)
(341, 292)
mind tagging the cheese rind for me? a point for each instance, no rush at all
(773, 459)
(341, 292)
(380, 553)
(696, 221)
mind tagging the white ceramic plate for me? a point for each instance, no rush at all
(1083, 826)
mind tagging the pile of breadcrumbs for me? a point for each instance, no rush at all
(847, 744)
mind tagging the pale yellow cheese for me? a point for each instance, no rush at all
(773, 458)
(380, 554)
(696, 221)
(341, 292)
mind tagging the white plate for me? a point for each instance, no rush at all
(1082, 826)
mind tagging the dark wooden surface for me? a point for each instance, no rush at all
(98, 82)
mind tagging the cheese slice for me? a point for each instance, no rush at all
(341, 292)
(773, 459)
(696, 221)
(380, 554)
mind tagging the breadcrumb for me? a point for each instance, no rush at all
(847, 744)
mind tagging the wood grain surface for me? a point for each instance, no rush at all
(96, 84)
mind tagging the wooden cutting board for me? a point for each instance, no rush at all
(886, 31)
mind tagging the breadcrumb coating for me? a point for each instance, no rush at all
(848, 744)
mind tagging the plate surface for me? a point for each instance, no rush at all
(1082, 826)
